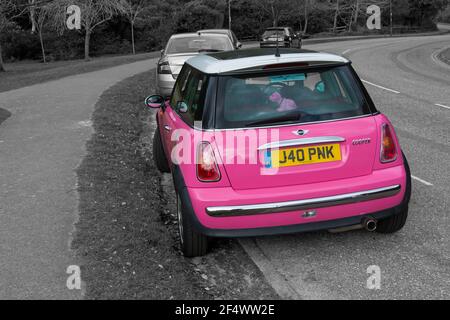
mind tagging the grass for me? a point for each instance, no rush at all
(126, 233)
(27, 73)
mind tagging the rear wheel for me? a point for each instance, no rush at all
(397, 222)
(193, 244)
(159, 157)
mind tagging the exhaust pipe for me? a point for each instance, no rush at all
(370, 224)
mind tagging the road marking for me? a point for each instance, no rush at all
(347, 51)
(442, 106)
(381, 87)
(437, 60)
(422, 181)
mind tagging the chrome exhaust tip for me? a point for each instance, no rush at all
(370, 225)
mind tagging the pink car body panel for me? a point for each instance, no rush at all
(203, 198)
(243, 184)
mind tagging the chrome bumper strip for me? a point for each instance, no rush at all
(315, 203)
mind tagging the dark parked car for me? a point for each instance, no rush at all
(284, 36)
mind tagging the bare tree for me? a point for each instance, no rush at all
(132, 9)
(306, 13)
(7, 15)
(94, 13)
(336, 15)
(41, 13)
(275, 8)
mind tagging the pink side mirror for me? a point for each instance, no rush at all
(155, 101)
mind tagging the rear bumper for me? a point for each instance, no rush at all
(307, 204)
(164, 84)
(299, 228)
(378, 196)
(273, 44)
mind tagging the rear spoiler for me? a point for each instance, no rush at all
(286, 67)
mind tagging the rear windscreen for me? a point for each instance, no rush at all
(278, 98)
(274, 33)
(204, 43)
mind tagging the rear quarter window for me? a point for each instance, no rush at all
(190, 90)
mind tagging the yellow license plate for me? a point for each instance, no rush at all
(305, 155)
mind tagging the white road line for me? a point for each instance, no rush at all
(346, 51)
(381, 87)
(442, 106)
(422, 181)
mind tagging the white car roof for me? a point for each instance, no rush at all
(227, 62)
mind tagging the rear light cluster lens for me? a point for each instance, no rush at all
(207, 168)
(164, 68)
(388, 148)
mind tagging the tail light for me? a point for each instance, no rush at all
(164, 68)
(207, 168)
(388, 148)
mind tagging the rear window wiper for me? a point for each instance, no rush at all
(277, 120)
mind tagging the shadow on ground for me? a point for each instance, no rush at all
(126, 234)
(4, 114)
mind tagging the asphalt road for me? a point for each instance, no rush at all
(43, 132)
(413, 89)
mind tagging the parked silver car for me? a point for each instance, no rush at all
(180, 48)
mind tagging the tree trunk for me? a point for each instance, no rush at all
(274, 16)
(305, 29)
(42, 45)
(2, 67)
(356, 12)
(87, 41)
(132, 37)
(336, 13)
(32, 16)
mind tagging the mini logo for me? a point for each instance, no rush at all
(301, 132)
(359, 142)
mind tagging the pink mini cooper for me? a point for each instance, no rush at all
(263, 143)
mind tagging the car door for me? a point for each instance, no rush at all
(169, 120)
(186, 106)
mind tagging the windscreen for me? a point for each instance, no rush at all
(204, 43)
(289, 97)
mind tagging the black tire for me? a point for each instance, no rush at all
(159, 156)
(193, 244)
(397, 222)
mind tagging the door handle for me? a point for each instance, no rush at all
(167, 128)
